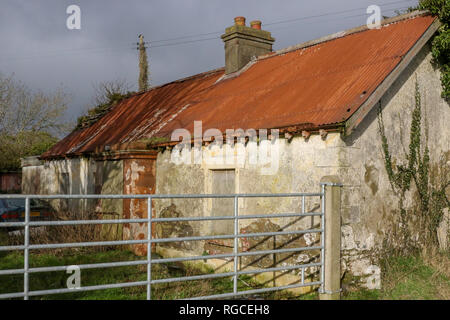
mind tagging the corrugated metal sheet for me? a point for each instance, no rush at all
(319, 85)
(136, 117)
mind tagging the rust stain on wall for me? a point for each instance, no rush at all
(139, 178)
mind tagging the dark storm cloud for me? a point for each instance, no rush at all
(38, 48)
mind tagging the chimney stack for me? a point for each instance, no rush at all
(242, 43)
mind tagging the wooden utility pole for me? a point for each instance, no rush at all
(143, 65)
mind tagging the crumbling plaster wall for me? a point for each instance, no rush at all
(369, 207)
(108, 179)
(44, 177)
(71, 175)
(302, 164)
(82, 176)
(31, 175)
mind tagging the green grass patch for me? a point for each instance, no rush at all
(407, 278)
(403, 278)
(90, 277)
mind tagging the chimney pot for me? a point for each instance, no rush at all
(239, 21)
(256, 24)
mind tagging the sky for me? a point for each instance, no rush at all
(183, 37)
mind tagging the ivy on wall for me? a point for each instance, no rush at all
(430, 183)
(441, 42)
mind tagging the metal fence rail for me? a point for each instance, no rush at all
(26, 247)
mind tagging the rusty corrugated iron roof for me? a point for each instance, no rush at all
(315, 86)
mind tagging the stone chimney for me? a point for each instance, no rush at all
(242, 43)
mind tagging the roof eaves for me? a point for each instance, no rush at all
(292, 130)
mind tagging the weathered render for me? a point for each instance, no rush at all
(369, 206)
(302, 164)
(68, 176)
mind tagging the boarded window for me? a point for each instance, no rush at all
(223, 182)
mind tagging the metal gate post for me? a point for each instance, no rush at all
(331, 268)
(236, 243)
(149, 248)
(26, 253)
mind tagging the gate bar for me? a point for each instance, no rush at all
(157, 261)
(119, 221)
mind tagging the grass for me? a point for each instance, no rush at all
(89, 277)
(404, 278)
(416, 277)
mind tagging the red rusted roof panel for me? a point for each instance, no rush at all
(135, 118)
(319, 85)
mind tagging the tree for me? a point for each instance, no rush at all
(106, 95)
(441, 42)
(105, 91)
(28, 143)
(30, 122)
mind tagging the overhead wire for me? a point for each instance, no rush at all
(279, 22)
(212, 38)
(162, 44)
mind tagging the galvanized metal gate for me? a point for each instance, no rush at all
(235, 255)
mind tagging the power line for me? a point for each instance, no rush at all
(330, 13)
(347, 17)
(291, 20)
(215, 38)
(280, 22)
(104, 49)
(183, 42)
(188, 36)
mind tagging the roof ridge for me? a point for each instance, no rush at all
(197, 75)
(344, 33)
(330, 37)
